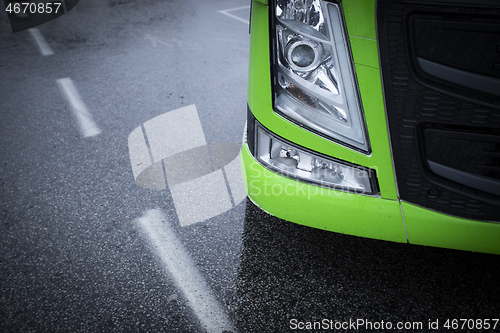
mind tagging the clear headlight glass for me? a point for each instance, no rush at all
(315, 84)
(294, 162)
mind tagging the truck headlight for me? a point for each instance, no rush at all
(298, 163)
(314, 81)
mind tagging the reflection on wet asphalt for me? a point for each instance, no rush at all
(292, 272)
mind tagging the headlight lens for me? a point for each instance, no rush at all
(295, 162)
(315, 84)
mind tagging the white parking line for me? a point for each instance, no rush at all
(85, 121)
(226, 12)
(186, 276)
(44, 47)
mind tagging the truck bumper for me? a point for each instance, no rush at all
(360, 215)
(320, 207)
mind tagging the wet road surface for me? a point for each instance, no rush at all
(108, 223)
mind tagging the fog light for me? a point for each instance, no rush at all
(293, 162)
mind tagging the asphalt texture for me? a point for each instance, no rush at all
(74, 256)
(290, 274)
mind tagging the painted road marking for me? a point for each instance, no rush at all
(204, 179)
(172, 42)
(226, 12)
(188, 279)
(44, 47)
(84, 119)
(155, 41)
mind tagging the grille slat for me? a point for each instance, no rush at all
(417, 102)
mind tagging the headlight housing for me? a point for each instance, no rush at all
(292, 161)
(314, 81)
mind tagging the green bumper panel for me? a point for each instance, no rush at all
(430, 228)
(320, 207)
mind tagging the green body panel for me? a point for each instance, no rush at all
(320, 207)
(373, 217)
(360, 17)
(365, 51)
(430, 228)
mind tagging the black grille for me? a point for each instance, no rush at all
(443, 106)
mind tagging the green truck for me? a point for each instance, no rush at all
(377, 119)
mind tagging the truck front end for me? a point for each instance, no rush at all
(378, 119)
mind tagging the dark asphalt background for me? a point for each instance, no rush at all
(293, 272)
(71, 256)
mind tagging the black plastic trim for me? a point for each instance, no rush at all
(482, 183)
(250, 131)
(447, 10)
(471, 80)
(416, 99)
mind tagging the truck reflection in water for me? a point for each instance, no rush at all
(291, 276)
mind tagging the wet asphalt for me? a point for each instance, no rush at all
(74, 256)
